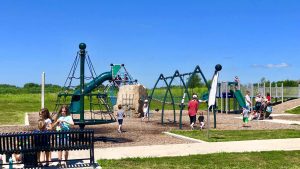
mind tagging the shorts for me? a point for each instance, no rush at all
(192, 119)
(245, 119)
(120, 121)
(257, 106)
(63, 139)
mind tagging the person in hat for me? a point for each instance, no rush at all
(193, 106)
(145, 109)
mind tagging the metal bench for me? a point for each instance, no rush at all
(29, 143)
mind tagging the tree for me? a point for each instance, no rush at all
(263, 80)
(194, 81)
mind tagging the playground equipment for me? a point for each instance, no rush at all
(168, 82)
(228, 91)
(212, 97)
(77, 95)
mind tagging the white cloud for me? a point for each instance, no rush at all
(281, 65)
(270, 65)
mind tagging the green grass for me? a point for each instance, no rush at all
(294, 111)
(238, 135)
(272, 159)
(14, 106)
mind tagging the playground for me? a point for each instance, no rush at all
(93, 107)
(143, 133)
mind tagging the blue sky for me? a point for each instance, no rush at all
(250, 38)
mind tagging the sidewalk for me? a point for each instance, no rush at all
(182, 150)
(192, 148)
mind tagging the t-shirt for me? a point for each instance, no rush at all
(64, 125)
(48, 122)
(269, 98)
(247, 100)
(120, 114)
(201, 118)
(193, 107)
(145, 108)
(258, 99)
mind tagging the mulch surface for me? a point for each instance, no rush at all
(142, 133)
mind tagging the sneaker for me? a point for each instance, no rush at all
(192, 127)
(119, 131)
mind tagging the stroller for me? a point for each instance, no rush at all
(268, 112)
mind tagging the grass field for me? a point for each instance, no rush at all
(238, 135)
(14, 106)
(257, 160)
(294, 111)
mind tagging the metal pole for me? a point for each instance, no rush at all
(270, 90)
(276, 90)
(181, 108)
(208, 123)
(299, 91)
(226, 99)
(258, 86)
(82, 48)
(221, 95)
(43, 91)
(252, 94)
(281, 92)
(264, 89)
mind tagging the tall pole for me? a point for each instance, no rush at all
(82, 47)
(181, 109)
(252, 93)
(264, 90)
(270, 90)
(212, 96)
(221, 95)
(281, 92)
(43, 91)
(298, 90)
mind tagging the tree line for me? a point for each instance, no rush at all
(28, 88)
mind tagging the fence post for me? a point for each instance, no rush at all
(271, 91)
(281, 92)
(252, 93)
(43, 91)
(221, 95)
(298, 90)
(264, 90)
(226, 99)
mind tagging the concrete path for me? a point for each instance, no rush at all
(184, 149)
(192, 148)
(291, 122)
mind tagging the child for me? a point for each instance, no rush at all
(40, 140)
(45, 115)
(145, 110)
(245, 114)
(201, 120)
(120, 115)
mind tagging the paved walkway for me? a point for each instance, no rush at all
(186, 149)
(193, 148)
(292, 122)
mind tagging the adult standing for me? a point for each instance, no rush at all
(192, 110)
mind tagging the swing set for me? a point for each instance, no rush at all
(168, 81)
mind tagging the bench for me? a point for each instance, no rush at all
(29, 143)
